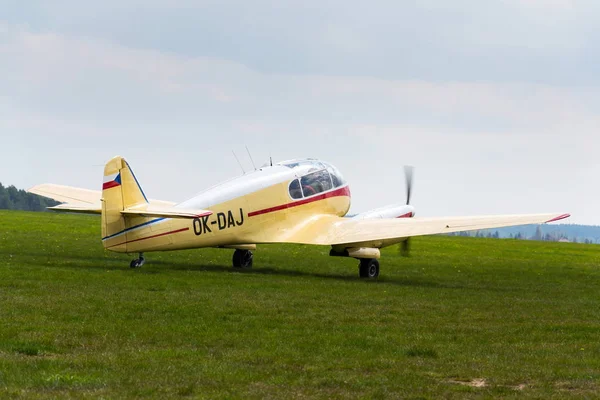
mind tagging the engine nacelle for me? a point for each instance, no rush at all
(357, 252)
(391, 211)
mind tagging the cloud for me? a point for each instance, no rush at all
(480, 147)
(91, 77)
(552, 41)
(559, 5)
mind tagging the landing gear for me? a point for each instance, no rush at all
(368, 268)
(242, 259)
(138, 262)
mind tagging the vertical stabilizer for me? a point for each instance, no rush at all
(120, 190)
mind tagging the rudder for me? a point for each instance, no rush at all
(120, 190)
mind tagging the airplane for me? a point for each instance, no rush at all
(303, 201)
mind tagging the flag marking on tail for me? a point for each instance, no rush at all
(111, 181)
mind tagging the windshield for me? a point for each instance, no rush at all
(336, 176)
(315, 183)
(314, 177)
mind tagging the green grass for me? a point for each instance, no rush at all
(76, 322)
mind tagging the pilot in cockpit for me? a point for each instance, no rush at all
(317, 182)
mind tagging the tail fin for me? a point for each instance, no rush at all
(120, 190)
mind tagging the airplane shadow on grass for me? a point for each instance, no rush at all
(188, 266)
(157, 266)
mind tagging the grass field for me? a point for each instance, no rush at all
(461, 318)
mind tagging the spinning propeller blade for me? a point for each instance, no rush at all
(408, 174)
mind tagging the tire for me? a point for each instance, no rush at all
(137, 263)
(368, 268)
(242, 259)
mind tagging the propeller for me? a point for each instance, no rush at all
(408, 175)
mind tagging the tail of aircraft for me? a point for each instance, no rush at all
(120, 190)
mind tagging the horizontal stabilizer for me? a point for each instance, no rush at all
(81, 208)
(67, 194)
(165, 212)
(79, 200)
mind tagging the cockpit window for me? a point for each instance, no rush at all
(315, 182)
(317, 177)
(295, 191)
(336, 177)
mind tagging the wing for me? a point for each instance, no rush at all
(383, 232)
(79, 200)
(378, 233)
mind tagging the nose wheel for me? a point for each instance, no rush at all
(138, 262)
(242, 259)
(368, 268)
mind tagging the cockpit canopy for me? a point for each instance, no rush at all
(314, 177)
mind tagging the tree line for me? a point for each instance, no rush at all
(12, 198)
(557, 233)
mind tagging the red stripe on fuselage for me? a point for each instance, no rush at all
(343, 191)
(110, 184)
(150, 237)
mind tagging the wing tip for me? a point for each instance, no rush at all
(560, 217)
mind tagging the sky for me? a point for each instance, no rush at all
(496, 104)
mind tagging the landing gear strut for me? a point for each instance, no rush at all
(242, 259)
(138, 262)
(368, 268)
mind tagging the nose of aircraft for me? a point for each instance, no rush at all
(410, 212)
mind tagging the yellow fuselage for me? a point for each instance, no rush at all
(263, 214)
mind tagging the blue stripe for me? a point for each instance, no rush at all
(136, 181)
(133, 227)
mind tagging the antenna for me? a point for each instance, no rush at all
(250, 155)
(238, 160)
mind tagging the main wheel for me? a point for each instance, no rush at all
(368, 268)
(138, 262)
(242, 259)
